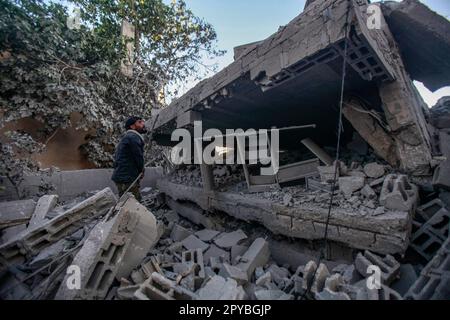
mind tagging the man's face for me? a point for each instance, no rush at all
(139, 126)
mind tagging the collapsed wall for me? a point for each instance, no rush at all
(293, 78)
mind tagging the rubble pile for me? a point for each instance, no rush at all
(124, 251)
(230, 232)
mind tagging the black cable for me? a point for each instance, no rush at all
(336, 163)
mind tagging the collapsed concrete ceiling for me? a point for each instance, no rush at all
(424, 40)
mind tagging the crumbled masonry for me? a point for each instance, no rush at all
(227, 232)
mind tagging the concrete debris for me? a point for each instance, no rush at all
(228, 240)
(434, 280)
(348, 185)
(16, 212)
(11, 232)
(440, 113)
(272, 295)
(429, 237)
(223, 232)
(32, 241)
(113, 249)
(374, 170)
(327, 173)
(192, 243)
(398, 194)
(257, 255)
(44, 205)
(179, 233)
(216, 252)
(219, 288)
(206, 234)
(389, 267)
(408, 277)
(441, 177)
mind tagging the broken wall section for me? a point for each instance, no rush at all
(402, 104)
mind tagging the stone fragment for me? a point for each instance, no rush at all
(228, 240)
(44, 205)
(398, 194)
(348, 185)
(219, 288)
(374, 170)
(112, 250)
(207, 234)
(257, 255)
(216, 252)
(179, 233)
(368, 192)
(272, 295)
(228, 271)
(192, 242)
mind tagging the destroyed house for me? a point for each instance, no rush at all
(292, 80)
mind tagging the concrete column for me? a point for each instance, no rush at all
(318, 151)
(371, 131)
(207, 177)
(404, 109)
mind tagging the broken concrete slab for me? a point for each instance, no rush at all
(192, 243)
(234, 272)
(207, 234)
(264, 279)
(371, 131)
(216, 252)
(257, 255)
(44, 205)
(386, 233)
(273, 295)
(348, 185)
(16, 212)
(228, 240)
(368, 192)
(328, 294)
(374, 170)
(191, 212)
(113, 249)
(219, 288)
(327, 173)
(179, 233)
(441, 176)
(237, 251)
(11, 232)
(31, 241)
(417, 30)
(277, 273)
(321, 275)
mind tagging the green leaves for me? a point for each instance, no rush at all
(49, 71)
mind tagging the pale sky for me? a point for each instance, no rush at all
(243, 21)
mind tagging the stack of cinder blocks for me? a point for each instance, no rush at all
(112, 250)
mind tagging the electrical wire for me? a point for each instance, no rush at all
(336, 163)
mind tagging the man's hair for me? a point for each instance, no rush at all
(130, 121)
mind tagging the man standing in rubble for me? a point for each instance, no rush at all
(129, 158)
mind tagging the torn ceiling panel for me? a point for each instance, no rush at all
(424, 40)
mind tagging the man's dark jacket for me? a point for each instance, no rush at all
(129, 158)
